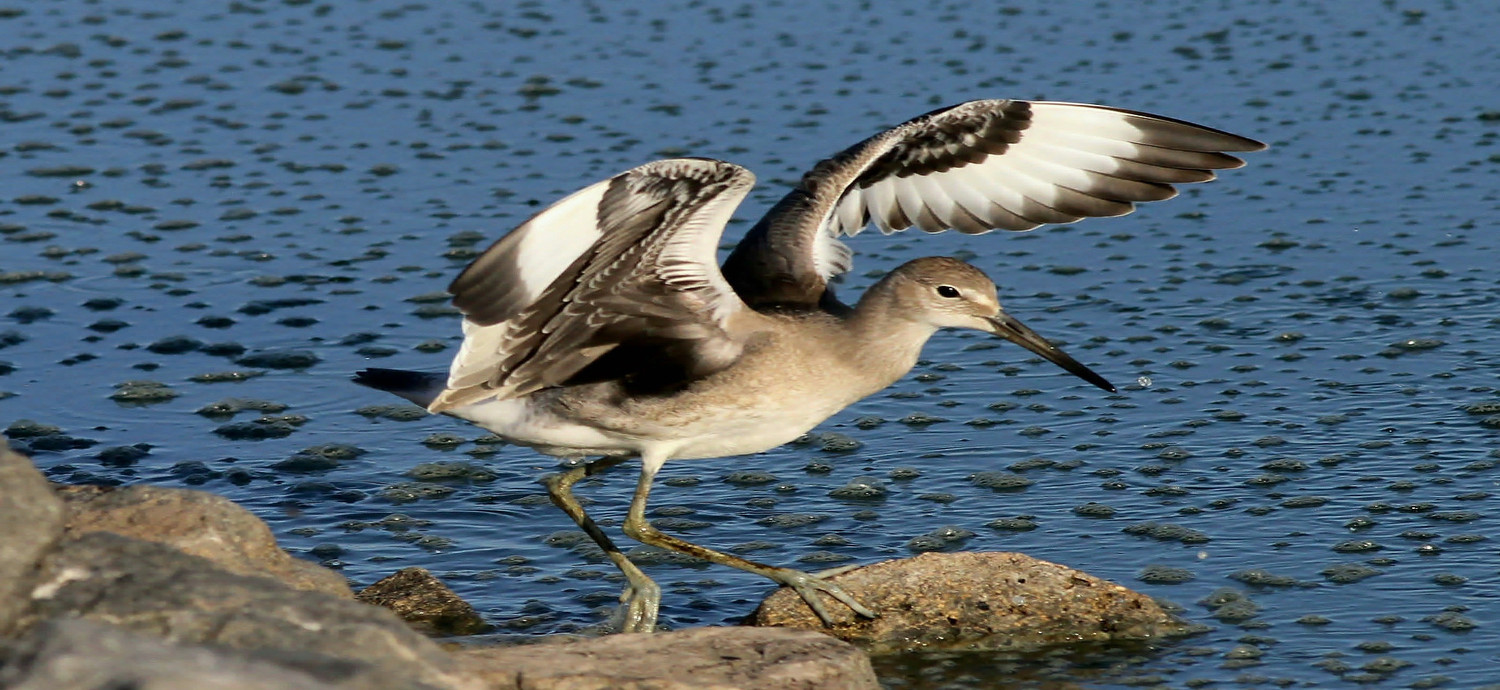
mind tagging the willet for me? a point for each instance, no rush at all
(604, 327)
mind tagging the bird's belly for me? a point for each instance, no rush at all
(523, 422)
(542, 423)
(746, 435)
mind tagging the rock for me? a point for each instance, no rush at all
(197, 523)
(424, 602)
(86, 654)
(31, 521)
(166, 589)
(696, 659)
(149, 587)
(973, 601)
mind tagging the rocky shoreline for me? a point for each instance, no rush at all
(156, 588)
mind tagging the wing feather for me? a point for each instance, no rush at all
(630, 260)
(974, 167)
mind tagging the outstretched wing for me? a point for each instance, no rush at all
(631, 259)
(974, 167)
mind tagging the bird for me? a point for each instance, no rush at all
(603, 328)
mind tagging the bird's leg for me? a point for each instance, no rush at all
(807, 585)
(642, 597)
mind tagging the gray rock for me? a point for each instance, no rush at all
(161, 589)
(424, 602)
(151, 588)
(975, 601)
(68, 654)
(31, 521)
(197, 523)
(694, 659)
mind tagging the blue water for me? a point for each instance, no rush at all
(1305, 347)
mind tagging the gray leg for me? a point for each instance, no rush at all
(805, 584)
(642, 597)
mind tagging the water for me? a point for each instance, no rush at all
(1315, 331)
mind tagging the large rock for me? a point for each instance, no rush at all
(694, 659)
(424, 602)
(152, 588)
(974, 601)
(75, 654)
(198, 523)
(162, 589)
(30, 522)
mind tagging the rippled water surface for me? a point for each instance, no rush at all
(250, 200)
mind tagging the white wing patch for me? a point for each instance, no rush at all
(1072, 162)
(553, 239)
(535, 254)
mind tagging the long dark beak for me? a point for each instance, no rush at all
(1006, 326)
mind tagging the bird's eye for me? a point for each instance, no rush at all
(947, 291)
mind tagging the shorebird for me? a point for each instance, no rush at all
(603, 326)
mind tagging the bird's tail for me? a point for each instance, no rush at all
(420, 387)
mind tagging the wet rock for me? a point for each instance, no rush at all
(1230, 605)
(834, 442)
(749, 478)
(398, 413)
(27, 315)
(152, 588)
(1452, 621)
(223, 349)
(1157, 574)
(87, 654)
(1016, 524)
(258, 307)
(695, 659)
(279, 359)
(59, 443)
(230, 407)
(861, 489)
(1167, 532)
(260, 429)
(26, 428)
(9, 338)
(406, 492)
(975, 601)
(175, 345)
(452, 472)
(1348, 573)
(319, 458)
(142, 392)
(124, 456)
(31, 519)
(1263, 578)
(16, 277)
(1000, 481)
(226, 376)
(196, 523)
(942, 538)
(444, 441)
(425, 602)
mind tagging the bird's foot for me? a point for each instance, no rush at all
(825, 574)
(807, 585)
(639, 605)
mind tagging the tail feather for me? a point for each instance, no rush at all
(420, 387)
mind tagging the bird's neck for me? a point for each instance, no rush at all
(889, 336)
